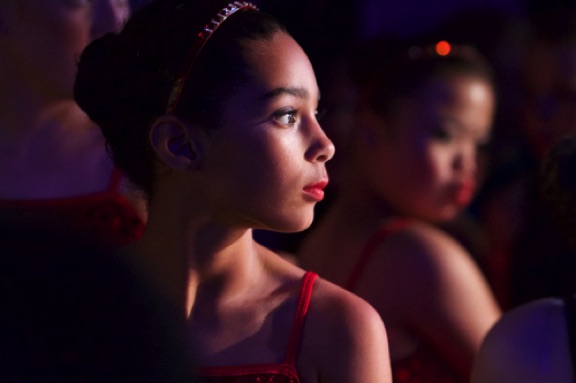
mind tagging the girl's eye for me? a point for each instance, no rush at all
(442, 134)
(287, 118)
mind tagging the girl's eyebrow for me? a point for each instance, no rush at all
(296, 92)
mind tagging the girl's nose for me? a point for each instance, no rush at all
(321, 149)
(466, 160)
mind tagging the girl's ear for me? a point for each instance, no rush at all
(176, 144)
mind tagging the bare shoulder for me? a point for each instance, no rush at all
(426, 252)
(337, 307)
(527, 344)
(541, 313)
(528, 327)
(428, 238)
(345, 337)
(432, 283)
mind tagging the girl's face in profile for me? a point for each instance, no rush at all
(267, 164)
(45, 37)
(428, 153)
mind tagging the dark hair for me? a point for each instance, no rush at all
(124, 80)
(387, 69)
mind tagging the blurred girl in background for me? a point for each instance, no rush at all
(424, 113)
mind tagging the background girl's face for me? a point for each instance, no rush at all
(426, 163)
(271, 150)
(44, 38)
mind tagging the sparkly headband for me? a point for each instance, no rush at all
(199, 43)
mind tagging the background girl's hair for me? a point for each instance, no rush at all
(124, 80)
(387, 69)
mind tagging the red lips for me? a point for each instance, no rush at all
(464, 192)
(315, 191)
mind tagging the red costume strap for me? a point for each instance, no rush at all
(374, 241)
(299, 318)
(115, 180)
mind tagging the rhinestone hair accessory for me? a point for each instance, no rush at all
(203, 36)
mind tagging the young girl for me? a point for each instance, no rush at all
(55, 172)
(413, 163)
(211, 109)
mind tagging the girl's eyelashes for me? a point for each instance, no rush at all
(286, 117)
(290, 117)
(442, 134)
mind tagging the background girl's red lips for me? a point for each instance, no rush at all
(465, 192)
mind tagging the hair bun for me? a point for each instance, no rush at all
(92, 90)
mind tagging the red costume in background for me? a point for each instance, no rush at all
(425, 365)
(106, 216)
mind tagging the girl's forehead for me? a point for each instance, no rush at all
(456, 94)
(451, 85)
(281, 61)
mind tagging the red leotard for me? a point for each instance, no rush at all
(425, 365)
(104, 216)
(284, 372)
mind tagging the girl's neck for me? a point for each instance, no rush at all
(24, 120)
(27, 103)
(192, 255)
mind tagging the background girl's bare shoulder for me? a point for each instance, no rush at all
(426, 277)
(422, 253)
(528, 344)
(345, 337)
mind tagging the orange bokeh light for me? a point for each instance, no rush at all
(443, 48)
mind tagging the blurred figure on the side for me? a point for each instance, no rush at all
(55, 171)
(536, 342)
(528, 258)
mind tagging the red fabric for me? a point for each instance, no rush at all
(284, 372)
(391, 227)
(105, 216)
(425, 365)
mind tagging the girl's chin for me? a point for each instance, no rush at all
(297, 227)
(445, 215)
(290, 226)
(450, 214)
